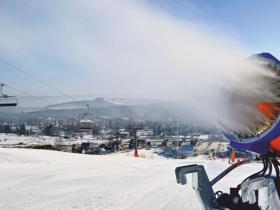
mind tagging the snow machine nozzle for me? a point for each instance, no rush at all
(200, 183)
(254, 115)
(259, 191)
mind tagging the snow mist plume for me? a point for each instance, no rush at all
(129, 48)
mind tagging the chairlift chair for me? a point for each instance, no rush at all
(5, 100)
(86, 121)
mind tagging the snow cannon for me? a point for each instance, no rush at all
(256, 132)
(263, 134)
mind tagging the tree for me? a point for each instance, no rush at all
(95, 131)
(7, 129)
(22, 130)
(48, 130)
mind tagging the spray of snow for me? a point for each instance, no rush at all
(128, 48)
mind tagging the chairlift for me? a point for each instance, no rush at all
(86, 121)
(5, 100)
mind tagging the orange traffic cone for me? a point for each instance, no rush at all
(233, 156)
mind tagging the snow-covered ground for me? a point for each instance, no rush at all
(40, 179)
(12, 140)
(207, 146)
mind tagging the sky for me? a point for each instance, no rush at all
(90, 47)
(252, 22)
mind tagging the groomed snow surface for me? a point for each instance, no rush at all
(39, 179)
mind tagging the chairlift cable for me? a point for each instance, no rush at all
(13, 67)
(27, 94)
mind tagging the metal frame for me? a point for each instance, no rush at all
(6, 97)
(86, 116)
(200, 183)
(267, 197)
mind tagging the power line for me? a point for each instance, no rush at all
(13, 67)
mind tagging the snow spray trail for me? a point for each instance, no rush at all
(132, 49)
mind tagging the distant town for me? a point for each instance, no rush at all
(90, 134)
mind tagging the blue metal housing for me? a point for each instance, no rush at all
(260, 143)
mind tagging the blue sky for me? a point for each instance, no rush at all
(255, 23)
(77, 46)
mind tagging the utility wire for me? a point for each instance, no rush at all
(37, 79)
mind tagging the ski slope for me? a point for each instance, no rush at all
(39, 179)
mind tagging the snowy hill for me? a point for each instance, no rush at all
(38, 179)
(101, 107)
(97, 102)
(102, 102)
